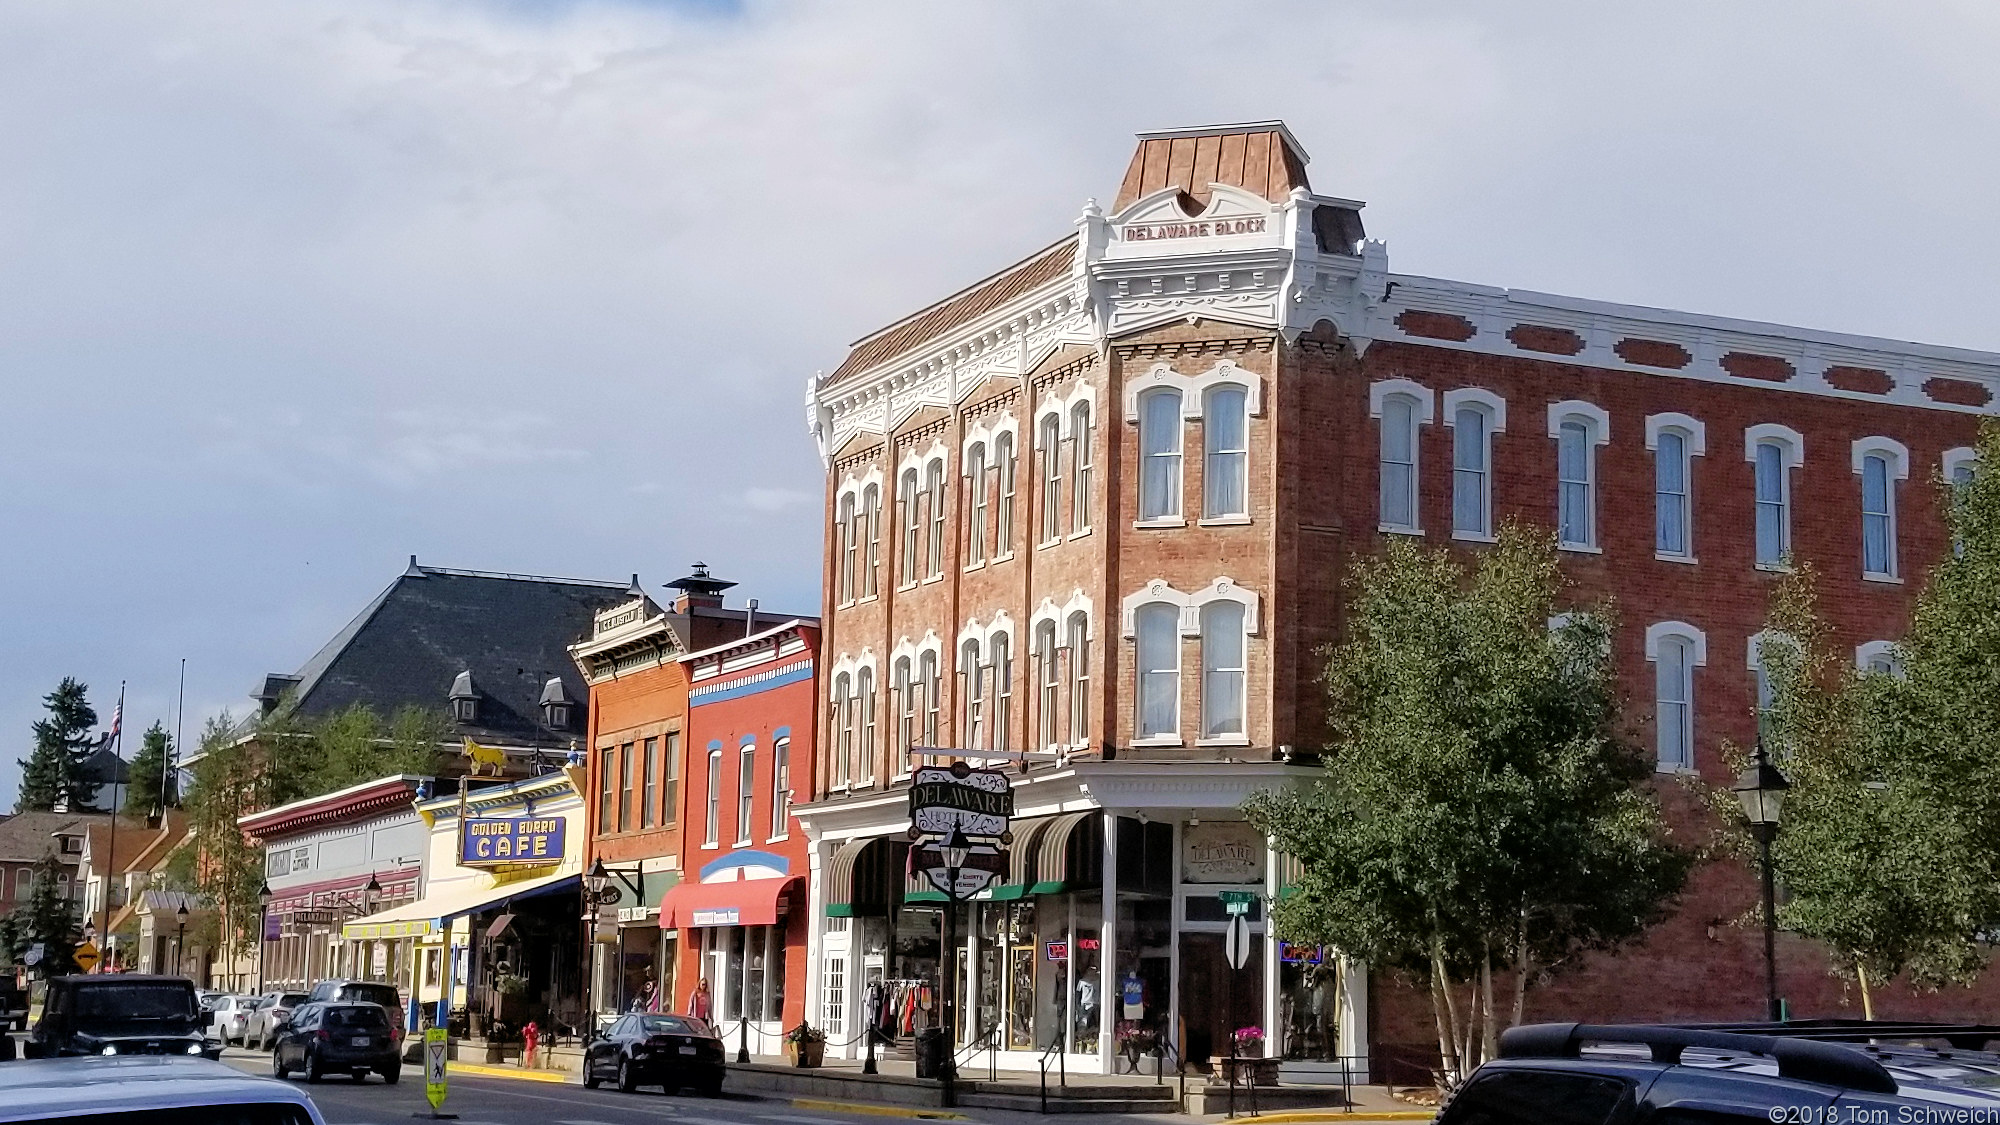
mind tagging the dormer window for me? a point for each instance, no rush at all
(464, 699)
(556, 704)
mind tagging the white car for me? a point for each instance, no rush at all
(129, 1089)
(231, 1019)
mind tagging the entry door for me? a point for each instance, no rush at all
(1215, 999)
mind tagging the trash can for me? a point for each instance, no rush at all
(930, 1052)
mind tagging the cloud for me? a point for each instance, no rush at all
(289, 291)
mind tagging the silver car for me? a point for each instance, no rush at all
(136, 1089)
(273, 1012)
(230, 1020)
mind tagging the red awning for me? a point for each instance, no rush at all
(741, 902)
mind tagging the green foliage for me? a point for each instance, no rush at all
(356, 745)
(1479, 810)
(50, 918)
(219, 865)
(1890, 845)
(52, 772)
(151, 779)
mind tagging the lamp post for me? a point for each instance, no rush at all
(954, 851)
(594, 882)
(180, 938)
(263, 929)
(1761, 789)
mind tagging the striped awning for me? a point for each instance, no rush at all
(1052, 846)
(1021, 858)
(858, 881)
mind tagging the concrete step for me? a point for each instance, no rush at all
(1032, 1103)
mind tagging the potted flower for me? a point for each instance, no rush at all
(1134, 1039)
(1249, 1042)
(805, 1046)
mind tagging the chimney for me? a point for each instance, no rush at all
(699, 589)
(750, 618)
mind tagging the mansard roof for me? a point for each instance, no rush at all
(1261, 157)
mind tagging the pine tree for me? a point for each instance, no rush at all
(52, 774)
(152, 785)
(51, 919)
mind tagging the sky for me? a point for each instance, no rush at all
(290, 292)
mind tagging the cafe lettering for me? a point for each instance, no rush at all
(497, 842)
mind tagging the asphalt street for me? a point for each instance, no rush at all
(512, 1101)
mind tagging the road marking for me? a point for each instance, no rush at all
(580, 1121)
(800, 1119)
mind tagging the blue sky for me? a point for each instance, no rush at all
(291, 291)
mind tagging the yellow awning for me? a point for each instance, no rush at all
(432, 913)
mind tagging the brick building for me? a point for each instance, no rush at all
(638, 773)
(1095, 510)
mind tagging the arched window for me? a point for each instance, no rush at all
(1674, 666)
(842, 722)
(911, 517)
(1158, 627)
(1222, 669)
(781, 788)
(871, 515)
(1082, 458)
(1079, 677)
(1045, 678)
(1670, 495)
(864, 689)
(1576, 506)
(1472, 471)
(906, 715)
(1958, 467)
(1003, 516)
(848, 548)
(934, 485)
(927, 674)
(1399, 463)
(1160, 455)
(1002, 673)
(1049, 446)
(1880, 462)
(1878, 657)
(1773, 451)
(1225, 436)
(969, 695)
(975, 491)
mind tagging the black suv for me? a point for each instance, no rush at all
(338, 1037)
(120, 1014)
(352, 990)
(1815, 1072)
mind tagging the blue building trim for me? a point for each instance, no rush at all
(745, 857)
(751, 685)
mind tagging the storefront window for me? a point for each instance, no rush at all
(1086, 977)
(1308, 1003)
(748, 946)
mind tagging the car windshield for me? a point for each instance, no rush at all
(356, 1017)
(668, 1025)
(128, 1000)
(372, 993)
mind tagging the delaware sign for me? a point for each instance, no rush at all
(511, 841)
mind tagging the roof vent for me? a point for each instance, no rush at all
(699, 588)
(414, 570)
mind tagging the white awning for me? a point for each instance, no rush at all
(432, 913)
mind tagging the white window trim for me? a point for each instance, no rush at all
(1381, 391)
(1682, 629)
(1379, 394)
(1788, 440)
(913, 651)
(1867, 651)
(1057, 615)
(1062, 405)
(1694, 443)
(1189, 604)
(1753, 659)
(853, 664)
(983, 432)
(1692, 430)
(1192, 388)
(1495, 409)
(1897, 454)
(1955, 457)
(1201, 687)
(1226, 518)
(1597, 432)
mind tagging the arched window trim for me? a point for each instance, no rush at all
(1082, 416)
(1867, 652)
(1192, 387)
(1208, 670)
(1693, 436)
(932, 646)
(1954, 458)
(1171, 736)
(973, 471)
(1596, 424)
(1894, 457)
(1791, 447)
(1173, 456)
(1661, 636)
(1159, 590)
(1209, 456)
(1493, 409)
(1048, 479)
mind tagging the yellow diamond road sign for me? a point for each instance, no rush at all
(434, 1077)
(86, 957)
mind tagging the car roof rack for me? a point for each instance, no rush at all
(1804, 1060)
(1963, 1036)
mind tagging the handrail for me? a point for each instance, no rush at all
(1055, 1048)
(1160, 1050)
(989, 1041)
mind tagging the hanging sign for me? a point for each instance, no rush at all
(984, 865)
(532, 841)
(1298, 954)
(1222, 851)
(976, 802)
(1058, 950)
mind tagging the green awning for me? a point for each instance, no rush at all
(1021, 858)
(1052, 848)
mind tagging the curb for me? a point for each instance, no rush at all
(483, 1071)
(869, 1109)
(1335, 1115)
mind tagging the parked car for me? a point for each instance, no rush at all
(209, 998)
(644, 1049)
(13, 1003)
(371, 991)
(270, 1017)
(230, 1019)
(141, 1091)
(352, 1037)
(121, 1014)
(1816, 1071)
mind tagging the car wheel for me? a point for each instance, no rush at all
(278, 1067)
(392, 1074)
(590, 1079)
(313, 1072)
(627, 1081)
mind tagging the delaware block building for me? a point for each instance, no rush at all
(1096, 509)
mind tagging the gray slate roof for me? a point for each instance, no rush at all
(410, 644)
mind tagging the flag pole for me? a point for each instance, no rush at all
(117, 741)
(170, 765)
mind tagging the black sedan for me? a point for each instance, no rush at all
(656, 1050)
(346, 1038)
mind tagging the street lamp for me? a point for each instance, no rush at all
(955, 850)
(180, 937)
(370, 894)
(263, 928)
(1762, 791)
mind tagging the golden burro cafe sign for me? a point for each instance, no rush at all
(523, 841)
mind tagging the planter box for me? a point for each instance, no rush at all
(1248, 1072)
(805, 1054)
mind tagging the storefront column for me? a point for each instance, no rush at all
(1271, 966)
(1353, 1033)
(813, 1006)
(1107, 972)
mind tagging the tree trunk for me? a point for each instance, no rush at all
(1453, 1060)
(1867, 1001)
(1488, 1032)
(1439, 1003)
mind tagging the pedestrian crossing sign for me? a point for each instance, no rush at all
(434, 1073)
